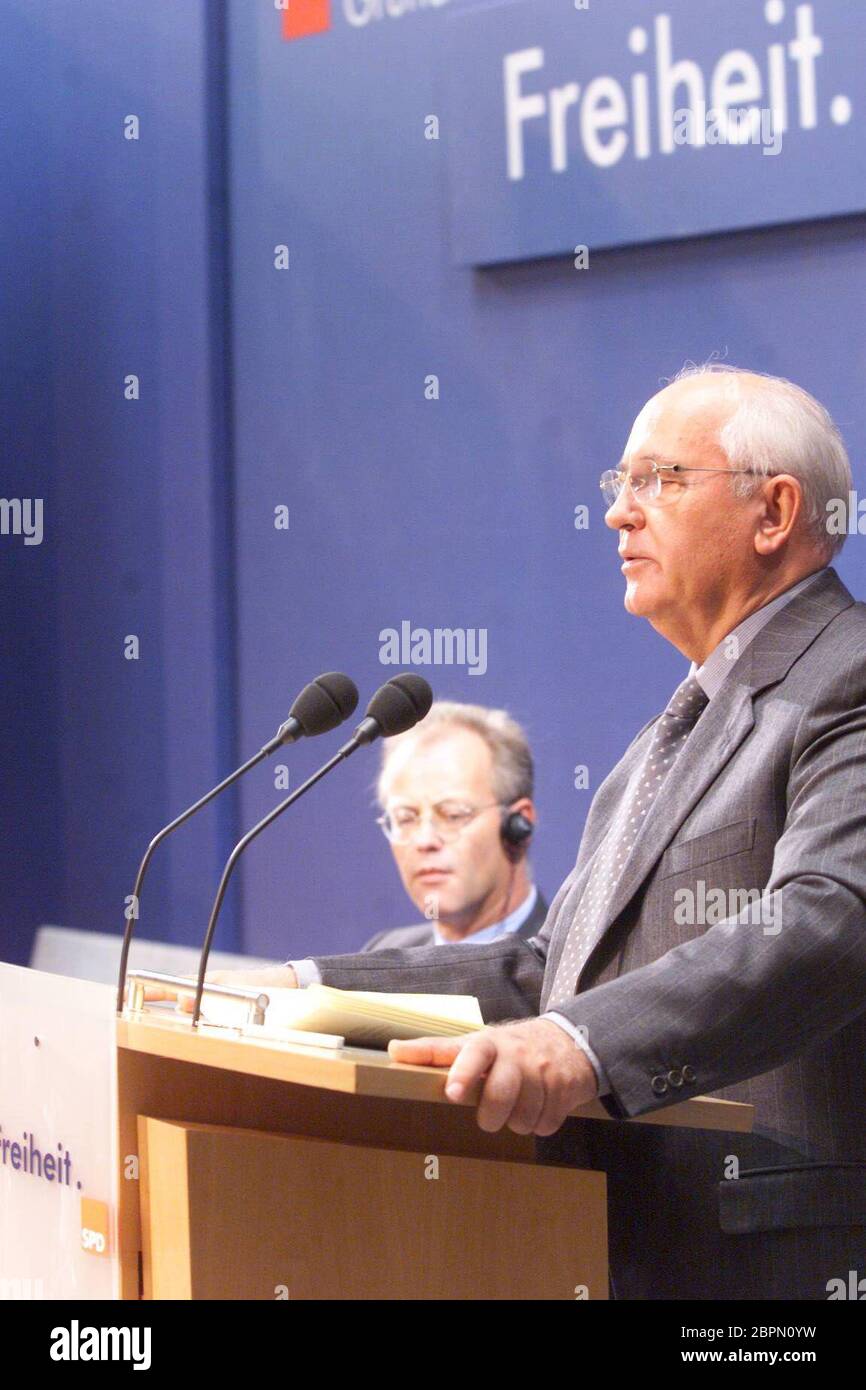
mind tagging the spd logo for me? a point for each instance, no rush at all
(94, 1226)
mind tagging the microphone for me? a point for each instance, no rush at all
(395, 707)
(399, 704)
(321, 706)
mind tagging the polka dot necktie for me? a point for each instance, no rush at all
(669, 735)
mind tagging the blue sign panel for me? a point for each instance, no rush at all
(576, 124)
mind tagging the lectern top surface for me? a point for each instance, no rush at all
(359, 1070)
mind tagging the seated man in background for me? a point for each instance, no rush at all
(456, 798)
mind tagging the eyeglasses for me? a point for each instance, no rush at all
(448, 818)
(650, 485)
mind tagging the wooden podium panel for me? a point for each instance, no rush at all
(238, 1154)
(240, 1214)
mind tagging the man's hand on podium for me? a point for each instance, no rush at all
(277, 976)
(533, 1073)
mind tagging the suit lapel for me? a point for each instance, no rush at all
(717, 735)
(720, 731)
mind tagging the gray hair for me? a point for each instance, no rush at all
(513, 772)
(780, 428)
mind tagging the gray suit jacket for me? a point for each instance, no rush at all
(422, 934)
(769, 793)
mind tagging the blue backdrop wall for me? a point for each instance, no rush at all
(304, 388)
(112, 269)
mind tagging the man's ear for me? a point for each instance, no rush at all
(518, 825)
(783, 507)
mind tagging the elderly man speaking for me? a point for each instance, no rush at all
(750, 785)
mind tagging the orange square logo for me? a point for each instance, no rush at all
(303, 17)
(94, 1226)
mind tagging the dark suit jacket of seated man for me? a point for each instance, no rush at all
(753, 782)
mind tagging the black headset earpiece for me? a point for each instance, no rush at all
(516, 829)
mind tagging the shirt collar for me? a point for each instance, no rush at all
(714, 671)
(510, 923)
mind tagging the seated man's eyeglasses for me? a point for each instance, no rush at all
(448, 818)
(654, 482)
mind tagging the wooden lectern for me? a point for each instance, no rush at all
(268, 1170)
